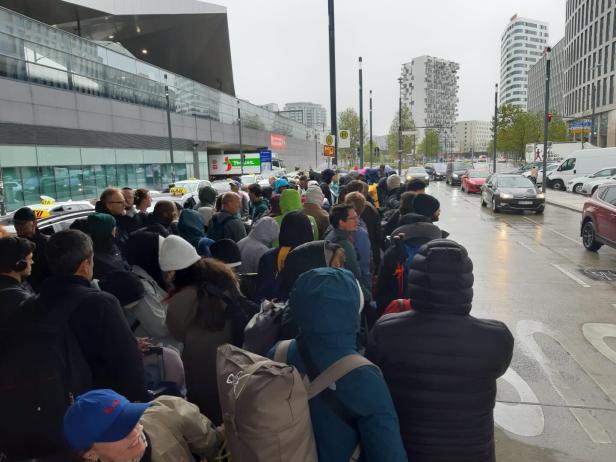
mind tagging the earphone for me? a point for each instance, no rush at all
(20, 265)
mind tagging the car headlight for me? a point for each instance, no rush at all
(540, 196)
(506, 196)
(426, 177)
(409, 178)
(455, 175)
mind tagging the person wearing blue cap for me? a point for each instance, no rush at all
(102, 425)
(280, 185)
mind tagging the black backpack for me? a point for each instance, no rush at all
(43, 368)
(216, 231)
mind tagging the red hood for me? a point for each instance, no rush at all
(477, 181)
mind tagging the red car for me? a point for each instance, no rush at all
(473, 180)
(599, 219)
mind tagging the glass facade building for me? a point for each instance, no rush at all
(34, 52)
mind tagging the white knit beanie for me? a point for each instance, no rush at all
(393, 182)
(176, 254)
(314, 195)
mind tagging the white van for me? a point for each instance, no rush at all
(581, 163)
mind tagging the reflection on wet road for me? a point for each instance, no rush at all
(557, 402)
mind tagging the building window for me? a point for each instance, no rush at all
(604, 101)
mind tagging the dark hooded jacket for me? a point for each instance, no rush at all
(326, 178)
(191, 226)
(325, 304)
(417, 230)
(441, 363)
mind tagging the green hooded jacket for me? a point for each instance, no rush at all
(290, 201)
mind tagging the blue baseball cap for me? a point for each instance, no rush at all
(100, 416)
(280, 183)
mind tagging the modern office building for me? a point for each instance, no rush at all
(590, 35)
(310, 114)
(430, 89)
(473, 136)
(522, 44)
(78, 114)
(536, 81)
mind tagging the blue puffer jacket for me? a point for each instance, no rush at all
(325, 305)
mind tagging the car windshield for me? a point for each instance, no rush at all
(248, 179)
(416, 171)
(221, 186)
(190, 186)
(462, 166)
(478, 174)
(514, 182)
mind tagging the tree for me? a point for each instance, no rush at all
(429, 145)
(349, 120)
(407, 140)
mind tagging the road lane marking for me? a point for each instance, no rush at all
(530, 249)
(614, 305)
(570, 275)
(553, 231)
(525, 418)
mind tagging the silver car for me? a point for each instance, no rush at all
(591, 186)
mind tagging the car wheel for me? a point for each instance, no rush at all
(558, 185)
(589, 237)
(540, 211)
(495, 208)
(594, 190)
(577, 188)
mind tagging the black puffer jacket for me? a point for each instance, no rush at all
(440, 363)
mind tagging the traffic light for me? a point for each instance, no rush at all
(549, 116)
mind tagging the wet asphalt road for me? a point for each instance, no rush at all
(529, 273)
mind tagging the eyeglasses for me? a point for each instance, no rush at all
(117, 202)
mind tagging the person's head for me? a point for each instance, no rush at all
(176, 254)
(272, 180)
(275, 206)
(24, 221)
(129, 198)
(165, 212)
(290, 200)
(113, 201)
(326, 302)
(382, 168)
(357, 186)
(207, 196)
(235, 186)
(406, 202)
(280, 185)
(295, 229)
(265, 230)
(417, 186)
(441, 278)
(327, 175)
(255, 192)
(314, 195)
(103, 425)
(142, 250)
(191, 226)
(344, 217)
(303, 182)
(267, 192)
(102, 229)
(357, 200)
(393, 182)
(226, 251)
(231, 203)
(143, 199)
(214, 281)
(70, 253)
(16, 257)
(428, 206)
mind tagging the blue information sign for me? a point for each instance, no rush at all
(266, 156)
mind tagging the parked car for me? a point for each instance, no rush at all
(575, 184)
(511, 192)
(455, 170)
(473, 180)
(437, 170)
(598, 226)
(58, 221)
(589, 187)
(185, 193)
(581, 163)
(417, 173)
(483, 158)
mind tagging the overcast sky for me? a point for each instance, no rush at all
(280, 48)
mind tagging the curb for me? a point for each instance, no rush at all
(563, 206)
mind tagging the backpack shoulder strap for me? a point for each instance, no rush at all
(336, 371)
(282, 351)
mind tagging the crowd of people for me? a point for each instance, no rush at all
(111, 329)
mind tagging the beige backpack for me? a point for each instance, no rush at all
(265, 404)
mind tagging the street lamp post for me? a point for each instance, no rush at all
(495, 128)
(169, 131)
(332, 77)
(239, 122)
(546, 120)
(361, 116)
(400, 127)
(370, 128)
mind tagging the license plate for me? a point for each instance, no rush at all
(525, 202)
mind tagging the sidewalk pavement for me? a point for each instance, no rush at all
(567, 200)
